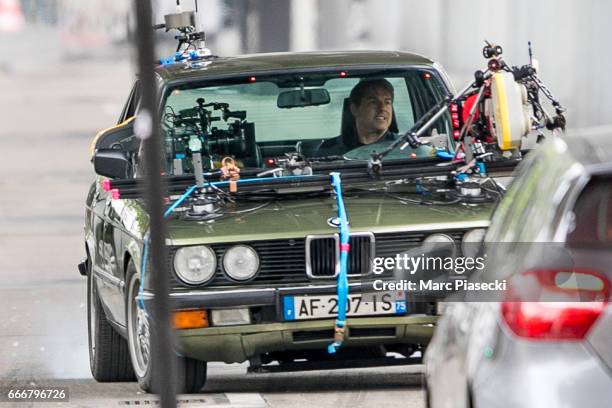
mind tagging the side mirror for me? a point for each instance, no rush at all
(301, 98)
(112, 163)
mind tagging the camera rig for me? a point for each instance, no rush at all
(492, 115)
(190, 131)
(191, 39)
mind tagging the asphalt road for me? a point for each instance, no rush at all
(50, 108)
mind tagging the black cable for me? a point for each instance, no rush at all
(423, 202)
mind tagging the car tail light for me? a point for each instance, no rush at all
(562, 304)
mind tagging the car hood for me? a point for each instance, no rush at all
(295, 218)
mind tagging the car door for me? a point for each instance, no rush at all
(109, 226)
(112, 236)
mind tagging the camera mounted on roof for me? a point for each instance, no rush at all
(191, 40)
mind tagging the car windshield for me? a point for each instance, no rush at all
(322, 115)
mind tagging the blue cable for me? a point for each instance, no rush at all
(178, 202)
(258, 180)
(143, 268)
(342, 286)
(170, 210)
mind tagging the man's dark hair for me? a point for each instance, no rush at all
(360, 89)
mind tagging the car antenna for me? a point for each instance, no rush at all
(530, 53)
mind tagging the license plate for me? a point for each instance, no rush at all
(316, 307)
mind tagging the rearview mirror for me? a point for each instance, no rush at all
(300, 98)
(112, 163)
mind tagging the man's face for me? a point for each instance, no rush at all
(374, 113)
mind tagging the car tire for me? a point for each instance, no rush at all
(191, 374)
(109, 357)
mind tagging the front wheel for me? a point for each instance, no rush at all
(108, 351)
(191, 374)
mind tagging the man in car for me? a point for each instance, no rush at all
(371, 104)
(368, 119)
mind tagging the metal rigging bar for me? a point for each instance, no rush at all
(147, 129)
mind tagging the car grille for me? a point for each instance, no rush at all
(283, 261)
(322, 255)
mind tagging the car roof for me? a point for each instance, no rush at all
(249, 64)
(592, 150)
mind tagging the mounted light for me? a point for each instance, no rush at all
(454, 110)
(240, 262)
(195, 265)
(494, 65)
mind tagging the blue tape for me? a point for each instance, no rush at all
(342, 284)
(167, 61)
(443, 154)
(462, 177)
(482, 168)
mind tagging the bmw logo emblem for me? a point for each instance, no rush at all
(333, 222)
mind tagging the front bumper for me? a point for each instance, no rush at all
(231, 344)
(215, 298)
(236, 344)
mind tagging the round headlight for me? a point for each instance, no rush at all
(438, 238)
(195, 264)
(471, 241)
(240, 262)
(439, 242)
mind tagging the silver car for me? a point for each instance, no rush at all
(548, 341)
